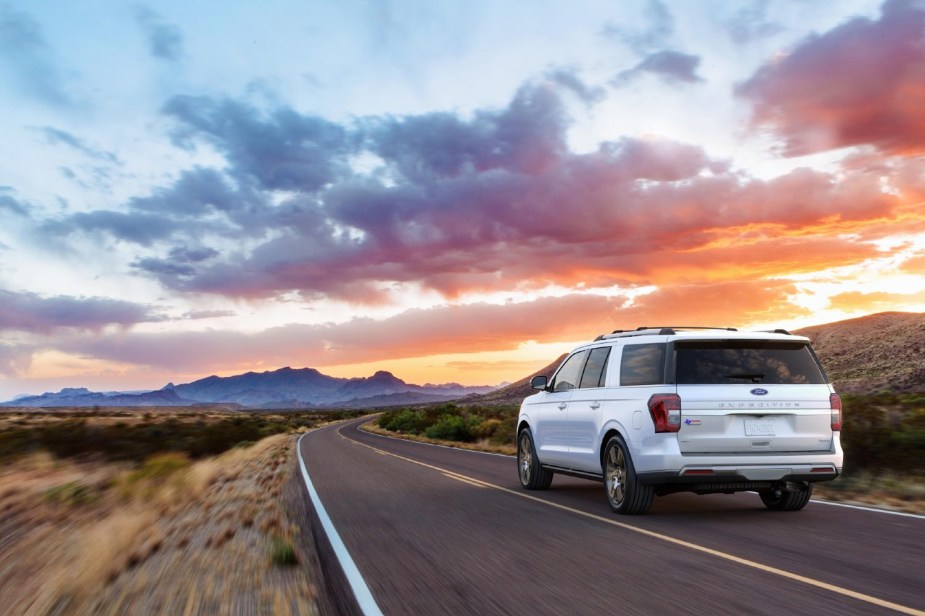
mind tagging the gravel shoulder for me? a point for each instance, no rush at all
(214, 536)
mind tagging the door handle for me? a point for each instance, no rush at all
(595, 405)
(562, 406)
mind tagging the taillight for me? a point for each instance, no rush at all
(666, 412)
(835, 403)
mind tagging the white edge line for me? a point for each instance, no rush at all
(505, 455)
(358, 585)
(871, 509)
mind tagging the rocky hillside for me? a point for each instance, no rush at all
(884, 351)
(516, 391)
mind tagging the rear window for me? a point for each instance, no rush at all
(745, 361)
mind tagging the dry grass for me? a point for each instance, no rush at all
(169, 537)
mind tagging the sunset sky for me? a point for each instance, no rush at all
(452, 191)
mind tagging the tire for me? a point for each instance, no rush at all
(624, 492)
(783, 500)
(532, 475)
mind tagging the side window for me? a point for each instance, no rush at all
(567, 377)
(593, 376)
(643, 364)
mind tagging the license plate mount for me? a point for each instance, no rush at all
(759, 427)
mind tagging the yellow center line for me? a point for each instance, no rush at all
(847, 592)
(463, 479)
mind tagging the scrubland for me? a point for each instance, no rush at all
(163, 512)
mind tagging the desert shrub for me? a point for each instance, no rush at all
(883, 432)
(407, 421)
(453, 428)
(486, 428)
(282, 551)
(161, 466)
(72, 493)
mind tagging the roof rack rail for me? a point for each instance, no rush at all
(776, 331)
(658, 331)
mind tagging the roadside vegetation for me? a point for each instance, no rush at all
(883, 438)
(161, 511)
(486, 428)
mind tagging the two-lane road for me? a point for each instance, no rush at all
(435, 530)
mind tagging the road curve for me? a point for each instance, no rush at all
(436, 530)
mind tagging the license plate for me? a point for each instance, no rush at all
(759, 427)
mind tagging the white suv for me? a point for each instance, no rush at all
(660, 410)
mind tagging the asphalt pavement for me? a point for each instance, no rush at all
(436, 530)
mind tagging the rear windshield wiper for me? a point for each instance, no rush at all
(755, 377)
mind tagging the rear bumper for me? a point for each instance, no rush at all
(716, 475)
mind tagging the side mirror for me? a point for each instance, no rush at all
(540, 382)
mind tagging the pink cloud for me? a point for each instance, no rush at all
(862, 82)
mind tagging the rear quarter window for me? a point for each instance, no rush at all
(643, 364)
(746, 361)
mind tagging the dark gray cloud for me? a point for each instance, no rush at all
(286, 151)
(201, 201)
(569, 80)
(165, 40)
(28, 57)
(55, 136)
(143, 229)
(185, 254)
(180, 263)
(30, 312)
(196, 192)
(164, 268)
(526, 137)
(672, 66)
(9, 204)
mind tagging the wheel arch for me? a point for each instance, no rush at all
(609, 431)
(523, 424)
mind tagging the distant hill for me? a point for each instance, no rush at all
(82, 397)
(283, 388)
(884, 351)
(516, 391)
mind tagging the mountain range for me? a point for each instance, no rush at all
(283, 388)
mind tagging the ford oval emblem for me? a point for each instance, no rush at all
(759, 392)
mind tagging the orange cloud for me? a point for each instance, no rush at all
(855, 301)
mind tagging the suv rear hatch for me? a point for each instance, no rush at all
(751, 396)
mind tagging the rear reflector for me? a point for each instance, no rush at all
(822, 469)
(698, 471)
